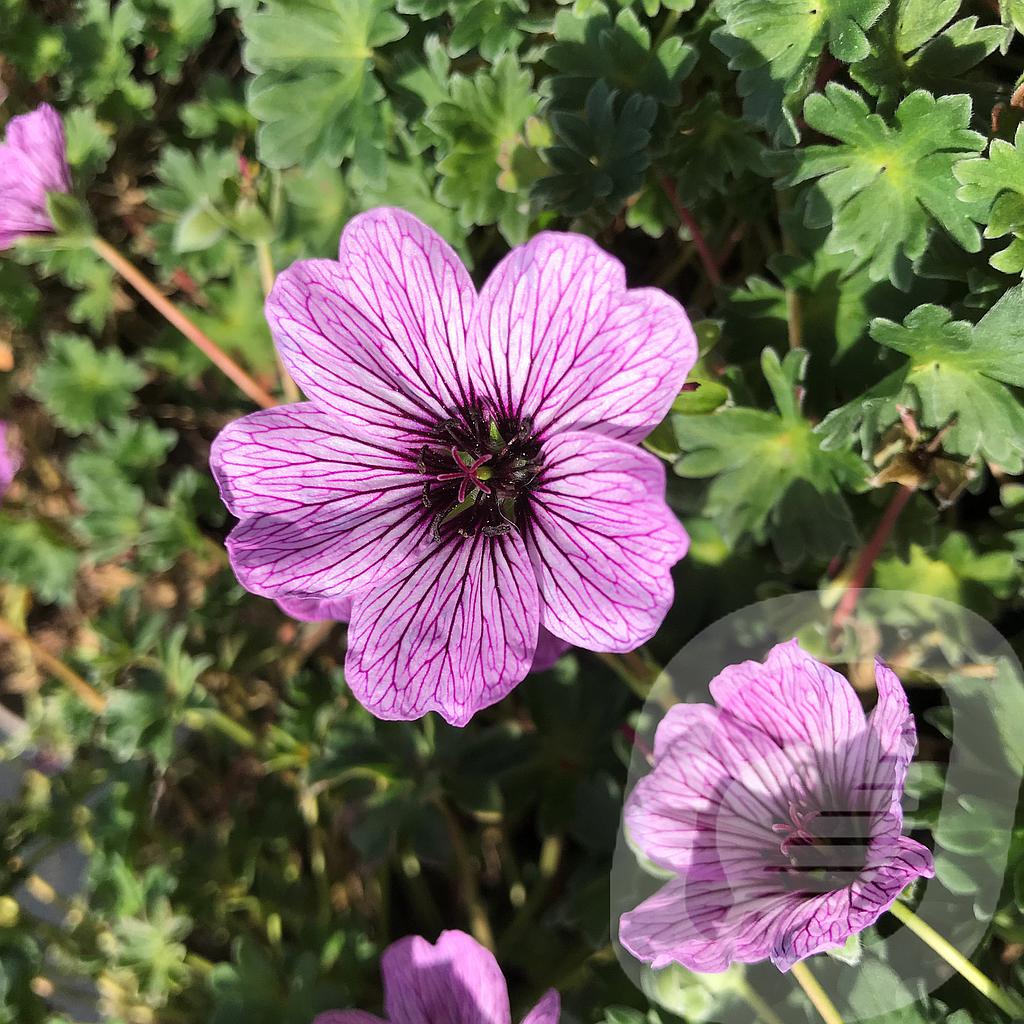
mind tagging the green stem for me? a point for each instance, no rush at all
(1008, 1003)
(469, 890)
(761, 1008)
(633, 670)
(547, 868)
(198, 718)
(816, 994)
(666, 30)
(265, 260)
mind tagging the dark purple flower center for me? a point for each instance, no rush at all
(480, 468)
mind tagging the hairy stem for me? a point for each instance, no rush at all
(699, 241)
(869, 554)
(816, 994)
(170, 312)
(1006, 1002)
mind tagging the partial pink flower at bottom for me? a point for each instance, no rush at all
(466, 471)
(33, 163)
(10, 461)
(779, 812)
(455, 981)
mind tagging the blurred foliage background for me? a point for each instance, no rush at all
(833, 188)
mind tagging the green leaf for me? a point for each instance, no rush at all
(711, 149)
(485, 161)
(30, 43)
(111, 505)
(771, 476)
(955, 572)
(956, 377)
(905, 169)
(136, 447)
(776, 45)
(1011, 14)
(82, 386)
(995, 183)
(315, 93)
(493, 27)
(78, 266)
(192, 196)
(70, 216)
(172, 31)
(911, 50)
(33, 556)
(99, 46)
(592, 48)
(219, 114)
(599, 157)
(89, 142)
(197, 230)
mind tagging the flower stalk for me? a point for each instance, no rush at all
(816, 994)
(170, 312)
(265, 259)
(869, 555)
(707, 257)
(91, 698)
(1006, 1002)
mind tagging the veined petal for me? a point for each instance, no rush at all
(321, 555)
(451, 631)
(704, 925)
(547, 1010)
(796, 699)
(456, 981)
(32, 163)
(322, 514)
(285, 460)
(315, 609)
(40, 136)
(549, 649)
(826, 921)
(602, 542)
(379, 338)
(717, 788)
(557, 336)
(890, 744)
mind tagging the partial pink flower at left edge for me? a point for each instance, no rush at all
(466, 471)
(10, 460)
(779, 813)
(33, 163)
(455, 980)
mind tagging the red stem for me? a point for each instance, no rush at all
(869, 555)
(687, 219)
(176, 318)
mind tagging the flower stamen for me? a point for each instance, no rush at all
(471, 473)
(797, 829)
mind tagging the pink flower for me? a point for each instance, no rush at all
(779, 812)
(33, 162)
(9, 459)
(456, 981)
(466, 470)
